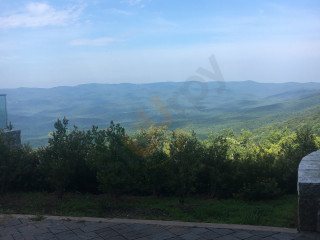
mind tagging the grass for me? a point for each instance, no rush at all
(279, 212)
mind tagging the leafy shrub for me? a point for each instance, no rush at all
(186, 152)
(214, 166)
(18, 167)
(114, 162)
(261, 189)
(156, 162)
(64, 160)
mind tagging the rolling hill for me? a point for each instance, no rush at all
(204, 107)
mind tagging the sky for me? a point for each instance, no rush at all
(70, 42)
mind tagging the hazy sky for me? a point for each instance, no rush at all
(69, 42)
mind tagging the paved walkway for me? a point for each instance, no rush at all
(22, 227)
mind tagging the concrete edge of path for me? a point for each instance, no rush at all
(156, 222)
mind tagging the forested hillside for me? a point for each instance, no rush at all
(245, 142)
(203, 107)
(160, 162)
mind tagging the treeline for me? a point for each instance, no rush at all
(158, 162)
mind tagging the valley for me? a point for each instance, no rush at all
(204, 107)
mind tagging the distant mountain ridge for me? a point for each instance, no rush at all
(204, 107)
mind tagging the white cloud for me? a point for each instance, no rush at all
(119, 11)
(93, 42)
(36, 14)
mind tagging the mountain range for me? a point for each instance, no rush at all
(203, 106)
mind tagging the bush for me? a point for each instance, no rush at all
(19, 167)
(261, 189)
(154, 162)
(214, 166)
(186, 152)
(114, 162)
(64, 160)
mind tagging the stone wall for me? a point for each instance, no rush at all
(3, 112)
(13, 137)
(309, 192)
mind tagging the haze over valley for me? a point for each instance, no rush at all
(202, 106)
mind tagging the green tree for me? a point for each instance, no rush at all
(152, 146)
(306, 142)
(293, 149)
(64, 160)
(214, 165)
(114, 162)
(186, 152)
(19, 167)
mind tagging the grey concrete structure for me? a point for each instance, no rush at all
(3, 112)
(309, 192)
(13, 137)
(13, 227)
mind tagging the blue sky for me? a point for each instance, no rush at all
(70, 42)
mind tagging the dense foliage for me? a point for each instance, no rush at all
(159, 162)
